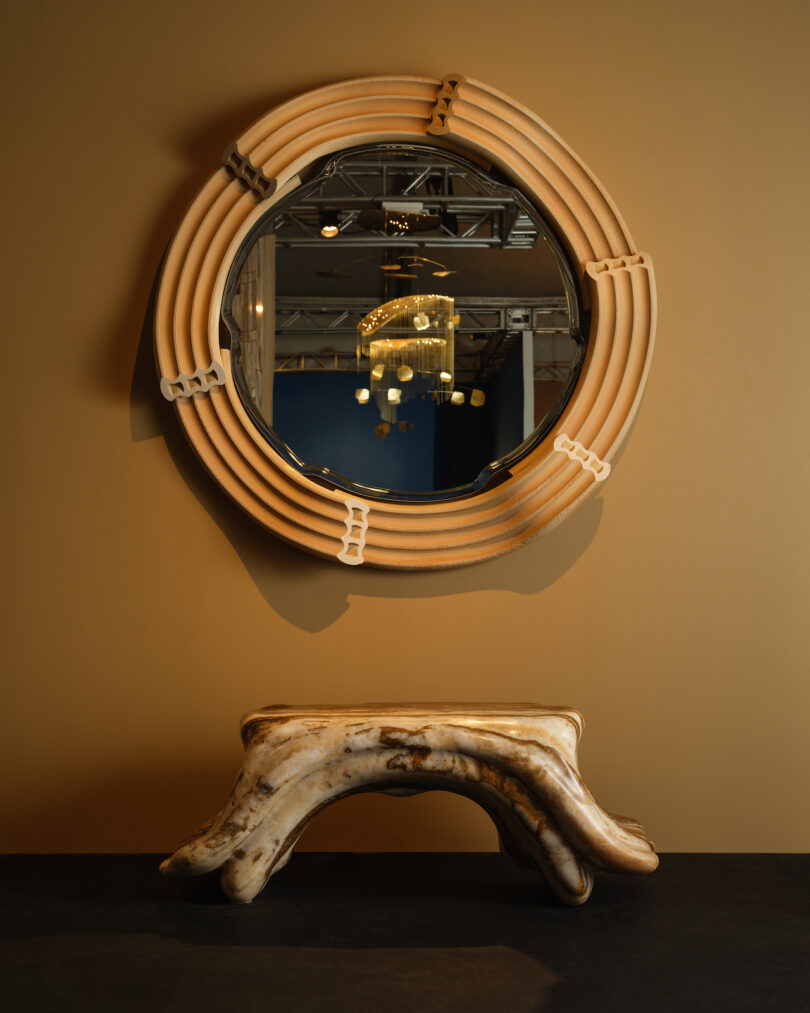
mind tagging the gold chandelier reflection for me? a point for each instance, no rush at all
(410, 346)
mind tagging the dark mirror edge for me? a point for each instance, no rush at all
(495, 471)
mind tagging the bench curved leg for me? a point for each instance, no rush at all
(518, 763)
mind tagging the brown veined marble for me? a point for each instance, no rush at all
(517, 761)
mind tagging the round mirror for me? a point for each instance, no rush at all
(371, 323)
(404, 325)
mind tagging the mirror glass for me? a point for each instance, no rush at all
(404, 324)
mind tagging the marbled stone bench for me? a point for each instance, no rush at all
(517, 761)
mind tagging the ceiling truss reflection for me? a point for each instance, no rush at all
(331, 315)
(472, 211)
(487, 331)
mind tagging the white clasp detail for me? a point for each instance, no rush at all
(355, 538)
(588, 460)
(189, 384)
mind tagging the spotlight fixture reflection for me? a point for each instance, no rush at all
(362, 394)
(329, 224)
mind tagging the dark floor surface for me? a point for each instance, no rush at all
(392, 933)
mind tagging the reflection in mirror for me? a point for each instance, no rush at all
(403, 325)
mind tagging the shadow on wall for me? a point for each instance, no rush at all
(310, 592)
(201, 147)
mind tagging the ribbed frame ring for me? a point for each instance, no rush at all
(466, 116)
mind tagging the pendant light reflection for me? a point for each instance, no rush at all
(412, 339)
(395, 221)
(410, 344)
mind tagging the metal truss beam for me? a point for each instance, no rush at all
(479, 315)
(499, 321)
(473, 211)
(468, 366)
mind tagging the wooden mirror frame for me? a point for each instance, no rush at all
(543, 487)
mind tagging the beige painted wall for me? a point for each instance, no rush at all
(143, 615)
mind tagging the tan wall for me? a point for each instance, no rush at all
(143, 614)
